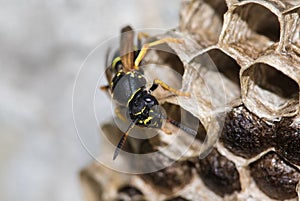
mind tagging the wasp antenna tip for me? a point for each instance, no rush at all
(116, 154)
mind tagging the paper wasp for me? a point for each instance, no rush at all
(127, 85)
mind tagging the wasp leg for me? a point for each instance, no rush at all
(140, 36)
(157, 82)
(105, 87)
(146, 47)
(166, 131)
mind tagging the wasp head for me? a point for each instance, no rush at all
(145, 110)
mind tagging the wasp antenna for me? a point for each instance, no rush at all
(123, 140)
(182, 127)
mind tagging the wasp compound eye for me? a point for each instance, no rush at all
(148, 100)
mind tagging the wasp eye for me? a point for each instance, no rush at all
(148, 100)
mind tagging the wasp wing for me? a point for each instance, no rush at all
(127, 48)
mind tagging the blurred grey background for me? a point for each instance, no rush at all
(43, 44)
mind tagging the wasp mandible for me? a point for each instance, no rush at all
(127, 85)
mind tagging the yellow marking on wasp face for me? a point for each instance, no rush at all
(140, 112)
(131, 97)
(151, 111)
(140, 121)
(147, 120)
(140, 76)
(115, 61)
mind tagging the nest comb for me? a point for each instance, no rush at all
(254, 45)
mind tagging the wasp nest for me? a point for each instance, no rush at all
(249, 101)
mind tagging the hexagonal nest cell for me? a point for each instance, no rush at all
(251, 29)
(265, 24)
(203, 20)
(272, 90)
